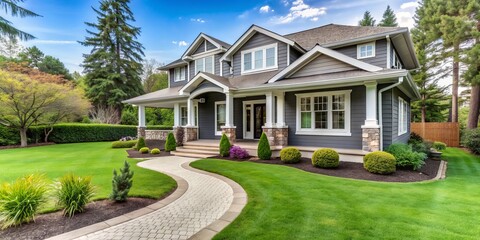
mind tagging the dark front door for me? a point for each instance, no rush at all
(260, 116)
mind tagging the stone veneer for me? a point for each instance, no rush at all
(157, 134)
(141, 132)
(231, 133)
(370, 139)
(277, 136)
(190, 134)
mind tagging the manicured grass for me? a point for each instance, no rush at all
(85, 159)
(287, 203)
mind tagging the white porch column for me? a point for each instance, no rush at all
(190, 112)
(371, 105)
(176, 115)
(229, 109)
(280, 109)
(141, 116)
(269, 105)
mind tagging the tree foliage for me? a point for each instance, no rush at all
(367, 20)
(121, 183)
(113, 67)
(11, 7)
(389, 19)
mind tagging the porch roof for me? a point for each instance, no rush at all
(164, 95)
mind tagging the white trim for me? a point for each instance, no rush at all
(264, 59)
(359, 46)
(203, 77)
(141, 116)
(294, 67)
(389, 47)
(401, 116)
(205, 54)
(219, 133)
(188, 71)
(329, 131)
(205, 90)
(288, 55)
(204, 65)
(252, 103)
(195, 42)
(221, 68)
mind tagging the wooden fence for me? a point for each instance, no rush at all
(447, 132)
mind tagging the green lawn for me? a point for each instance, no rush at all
(287, 203)
(85, 159)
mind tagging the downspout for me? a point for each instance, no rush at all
(380, 105)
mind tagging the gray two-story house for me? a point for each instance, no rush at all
(345, 87)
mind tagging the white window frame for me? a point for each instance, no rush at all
(396, 64)
(359, 47)
(204, 66)
(329, 131)
(179, 78)
(219, 133)
(264, 50)
(183, 117)
(402, 116)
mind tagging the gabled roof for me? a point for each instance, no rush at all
(176, 63)
(198, 41)
(250, 32)
(203, 76)
(222, 43)
(315, 52)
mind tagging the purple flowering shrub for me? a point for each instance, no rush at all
(238, 152)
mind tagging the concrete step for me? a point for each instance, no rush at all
(201, 147)
(195, 150)
(192, 155)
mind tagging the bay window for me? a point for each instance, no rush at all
(259, 59)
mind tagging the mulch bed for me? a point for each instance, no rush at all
(160, 144)
(356, 170)
(52, 224)
(29, 145)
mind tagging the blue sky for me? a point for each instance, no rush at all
(169, 26)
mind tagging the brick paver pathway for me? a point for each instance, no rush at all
(205, 201)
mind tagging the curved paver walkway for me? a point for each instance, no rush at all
(203, 210)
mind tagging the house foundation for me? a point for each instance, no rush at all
(141, 132)
(277, 136)
(370, 139)
(231, 133)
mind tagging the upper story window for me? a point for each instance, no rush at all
(204, 64)
(402, 116)
(366, 50)
(259, 59)
(396, 64)
(179, 74)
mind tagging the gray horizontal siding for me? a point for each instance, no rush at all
(226, 69)
(238, 113)
(321, 65)
(294, 55)
(258, 40)
(387, 116)
(200, 48)
(192, 69)
(380, 58)
(172, 77)
(357, 120)
(210, 46)
(404, 137)
(206, 115)
(216, 64)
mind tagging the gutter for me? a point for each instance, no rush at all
(380, 105)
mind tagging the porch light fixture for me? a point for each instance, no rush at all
(201, 100)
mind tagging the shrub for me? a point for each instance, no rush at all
(325, 158)
(155, 151)
(439, 146)
(421, 147)
(121, 183)
(471, 140)
(263, 150)
(124, 144)
(74, 193)
(140, 143)
(225, 146)
(414, 137)
(379, 162)
(290, 155)
(238, 152)
(19, 201)
(170, 144)
(128, 118)
(405, 156)
(144, 150)
(8, 136)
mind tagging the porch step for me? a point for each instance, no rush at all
(192, 155)
(212, 152)
(201, 147)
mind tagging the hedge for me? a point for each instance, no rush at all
(9, 136)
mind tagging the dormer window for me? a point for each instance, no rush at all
(259, 59)
(366, 50)
(179, 74)
(204, 64)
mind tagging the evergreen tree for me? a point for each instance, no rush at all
(32, 55)
(6, 28)
(121, 183)
(389, 18)
(367, 20)
(114, 66)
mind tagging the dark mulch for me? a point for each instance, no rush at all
(52, 224)
(160, 144)
(29, 145)
(356, 170)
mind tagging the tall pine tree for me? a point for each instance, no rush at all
(114, 66)
(389, 19)
(367, 20)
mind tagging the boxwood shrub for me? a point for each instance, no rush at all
(155, 151)
(379, 162)
(290, 155)
(124, 144)
(325, 158)
(144, 150)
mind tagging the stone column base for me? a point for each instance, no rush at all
(179, 133)
(370, 139)
(141, 132)
(277, 136)
(190, 134)
(231, 133)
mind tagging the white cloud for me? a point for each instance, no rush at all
(300, 10)
(53, 42)
(265, 9)
(174, 42)
(409, 5)
(199, 20)
(180, 43)
(285, 2)
(405, 19)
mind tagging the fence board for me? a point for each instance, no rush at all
(446, 132)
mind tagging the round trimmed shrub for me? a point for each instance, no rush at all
(439, 146)
(155, 151)
(290, 155)
(379, 162)
(144, 150)
(325, 158)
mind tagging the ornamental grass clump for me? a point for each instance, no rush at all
(121, 183)
(325, 158)
(20, 201)
(379, 162)
(225, 146)
(74, 193)
(170, 144)
(290, 155)
(263, 150)
(238, 152)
